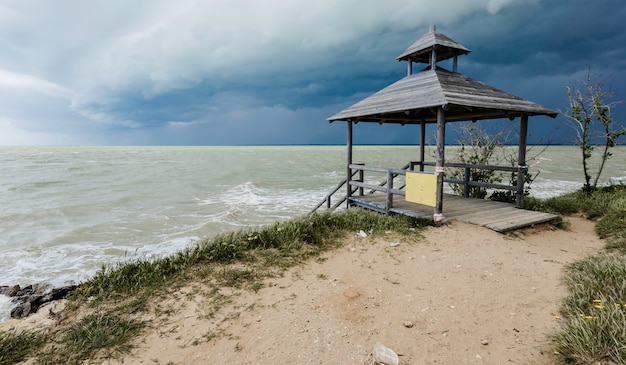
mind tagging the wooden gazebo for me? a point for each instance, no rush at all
(438, 96)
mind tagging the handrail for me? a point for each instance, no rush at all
(386, 186)
(327, 198)
(466, 182)
(384, 182)
(471, 166)
(373, 188)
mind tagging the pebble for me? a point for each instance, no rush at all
(384, 355)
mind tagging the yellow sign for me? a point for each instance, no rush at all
(421, 188)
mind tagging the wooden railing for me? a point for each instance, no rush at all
(360, 169)
(328, 198)
(386, 186)
(466, 182)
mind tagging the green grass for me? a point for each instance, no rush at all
(240, 260)
(16, 347)
(281, 245)
(606, 204)
(612, 227)
(100, 335)
(593, 316)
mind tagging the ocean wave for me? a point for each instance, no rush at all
(5, 308)
(548, 188)
(251, 204)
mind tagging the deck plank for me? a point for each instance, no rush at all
(499, 216)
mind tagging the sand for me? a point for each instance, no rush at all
(459, 294)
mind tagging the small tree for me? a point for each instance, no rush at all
(480, 147)
(477, 147)
(590, 113)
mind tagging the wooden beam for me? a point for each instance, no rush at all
(422, 144)
(521, 160)
(349, 162)
(439, 169)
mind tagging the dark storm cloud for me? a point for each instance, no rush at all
(187, 72)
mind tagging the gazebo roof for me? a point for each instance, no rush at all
(420, 51)
(415, 99)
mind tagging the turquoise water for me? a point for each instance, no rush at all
(65, 211)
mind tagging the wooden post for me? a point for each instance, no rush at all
(521, 160)
(361, 179)
(409, 70)
(422, 144)
(439, 168)
(349, 162)
(433, 55)
(455, 64)
(389, 204)
(466, 179)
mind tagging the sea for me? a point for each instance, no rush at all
(67, 211)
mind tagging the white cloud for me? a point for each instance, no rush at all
(495, 6)
(23, 82)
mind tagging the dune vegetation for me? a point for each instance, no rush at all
(593, 315)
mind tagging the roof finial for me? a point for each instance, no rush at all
(433, 28)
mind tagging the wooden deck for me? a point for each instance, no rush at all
(500, 217)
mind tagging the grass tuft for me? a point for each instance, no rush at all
(593, 316)
(612, 227)
(592, 204)
(16, 347)
(98, 335)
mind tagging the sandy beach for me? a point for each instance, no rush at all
(457, 294)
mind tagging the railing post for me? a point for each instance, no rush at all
(439, 167)
(349, 162)
(521, 160)
(466, 179)
(422, 144)
(389, 204)
(361, 179)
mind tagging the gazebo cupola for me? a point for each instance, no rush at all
(432, 48)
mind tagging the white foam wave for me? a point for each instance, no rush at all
(249, 197)
(547, 188)
(5, 308)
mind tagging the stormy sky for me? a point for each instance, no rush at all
(250, 72)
